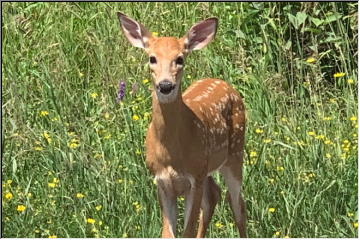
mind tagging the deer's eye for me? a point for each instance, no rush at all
(152, 60)
(179, 61)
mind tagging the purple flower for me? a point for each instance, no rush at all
(121, 92)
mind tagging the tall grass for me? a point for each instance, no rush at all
(72, 154)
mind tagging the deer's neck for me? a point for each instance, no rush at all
(170, 119)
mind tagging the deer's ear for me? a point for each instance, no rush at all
(135, 32)
(201, 34)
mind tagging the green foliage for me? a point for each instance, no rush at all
(72, 154)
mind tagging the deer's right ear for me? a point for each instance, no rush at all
(135, 32)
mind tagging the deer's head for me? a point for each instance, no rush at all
(167, 54)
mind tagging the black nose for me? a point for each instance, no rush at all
(166, 86)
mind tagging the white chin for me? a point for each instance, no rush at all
(167, 98)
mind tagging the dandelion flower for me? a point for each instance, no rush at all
(280, 168)
(253, 154)
(135, 117)
(328, 155)
(98, 207)
(277, 234)
(52, 236)
(8, 196)
(271, 210)
(267, 140)
(44, 113)
(219, 225)
(80, 195)
(258, 130)
(350, 214)
(93, 95)
(51, 185)
(38, 148)
(339, 74)
(311, 133)
(145, 81)
(310, 60)
(356, 224)
(20, 208)
(353, 118)
(350, 81)
(73, 145)
(286, 236)
(155, 34)
(90, 220)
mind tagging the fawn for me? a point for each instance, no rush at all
(191, 135)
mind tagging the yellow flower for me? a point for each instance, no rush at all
(320, 137)
(277, 234)
(338, 75)
(44, 113)
(124, 235)
(267, 140)
(286, 236)
(283, 119)
(253, 154)
(47, 137)
(98, 207)
(219, 225)
(106, 115)
(108, 136)
(350, 214)
(145, 81)
(38, 148)
(332, 100)
(328, 155)
(271, 210)
(20, 208)
(120, 180)
(8, 196)
(135, 117)
(90, 220)
(155, 34)
(311, 133)
(73, 145)
(353, 118)
(327, 118)
(52, 236)
(280, 168)
(350, 81)
(181, 198)
(93, 95)
(80, 195)
(51, 185)
(138, 152)
(310, 60)
(356, 224)
(258, 130)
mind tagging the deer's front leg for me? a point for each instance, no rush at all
(192, 208)
(167, 200)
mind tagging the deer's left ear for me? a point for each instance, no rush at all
(201, 34)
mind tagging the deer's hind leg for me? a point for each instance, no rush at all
(211, 197)
(232, 176)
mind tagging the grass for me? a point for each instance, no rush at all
(73, 158)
